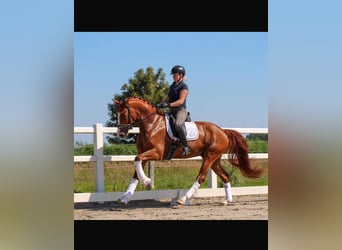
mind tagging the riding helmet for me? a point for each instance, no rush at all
(178, 69)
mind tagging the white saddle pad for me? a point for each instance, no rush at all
(191, 130)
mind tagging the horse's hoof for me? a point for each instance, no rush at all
(225, 203)
(147, 182)
(183, 201)
(180, 202)
(122, 201)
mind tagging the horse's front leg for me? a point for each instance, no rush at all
(140, 162)
(139, 174)
(126, 197)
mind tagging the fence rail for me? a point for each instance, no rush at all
(100, 196)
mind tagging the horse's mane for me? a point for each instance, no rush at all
(140, 99)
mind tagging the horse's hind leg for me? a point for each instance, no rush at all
(199, 180)
(185, 199)
(224, 176)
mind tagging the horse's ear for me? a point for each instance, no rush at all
(116, 102)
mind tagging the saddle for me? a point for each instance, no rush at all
(191, 127)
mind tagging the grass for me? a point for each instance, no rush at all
(167, 175)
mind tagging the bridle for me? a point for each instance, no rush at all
(129, 125)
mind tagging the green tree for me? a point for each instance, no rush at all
(146, 84)
(262, 137)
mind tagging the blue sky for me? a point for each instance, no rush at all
(227, 72)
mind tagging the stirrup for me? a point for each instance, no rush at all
(172, 151)
(186, 151)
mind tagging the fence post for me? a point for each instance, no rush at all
(151, 172)
(98, 152)
(212, 179)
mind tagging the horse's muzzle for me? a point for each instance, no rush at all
(122, 131)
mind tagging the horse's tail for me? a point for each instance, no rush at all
(238, 154)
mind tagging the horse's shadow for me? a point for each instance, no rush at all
(115, 206)
(166, 203)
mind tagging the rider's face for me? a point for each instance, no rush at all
(177, 77)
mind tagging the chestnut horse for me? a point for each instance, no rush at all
(153, 143)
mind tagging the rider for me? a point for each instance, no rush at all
(176, 101)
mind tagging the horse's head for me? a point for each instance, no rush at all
(124, 117)
(130, 111)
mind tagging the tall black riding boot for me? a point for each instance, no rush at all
(182, 137)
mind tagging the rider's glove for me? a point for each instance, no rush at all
(164, 105)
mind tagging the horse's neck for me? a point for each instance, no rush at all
(151, 121)
(144, 112)
(149, 117)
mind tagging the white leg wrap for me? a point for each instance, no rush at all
(129, 192)
(131, 188)
(141, 175)
(192, 190)
(228, 191)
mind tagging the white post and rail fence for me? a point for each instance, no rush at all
(98, 130)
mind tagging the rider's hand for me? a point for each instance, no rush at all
(163, 105)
